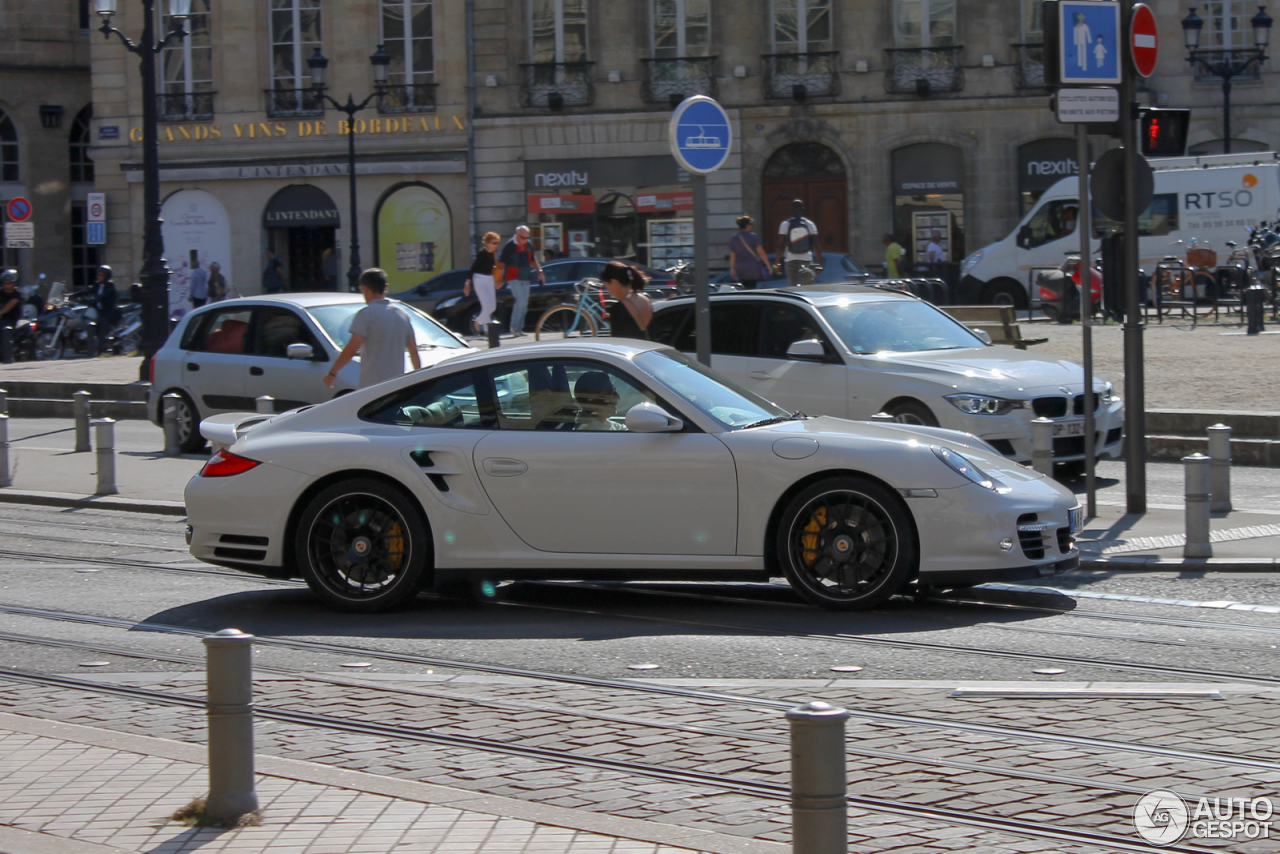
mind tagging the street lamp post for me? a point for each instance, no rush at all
(318, 63)
(154, 274)
(1226, 62)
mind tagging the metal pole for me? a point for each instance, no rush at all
(353, 272)
(1196, 468)
(6, 344)
(229, 657)
(5, 478)
(819, 811)
(471, 123)
(80, 412)
(169, 407)
(265, 404)
(1086, 322)
(702, 311)
(1220, 468)
(4, 401)
(104, 438)
(154, 274)
(1135, 444)
(1226, 109)
(1042, 446)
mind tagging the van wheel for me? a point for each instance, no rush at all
(1005, 292)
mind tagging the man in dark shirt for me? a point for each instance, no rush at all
(272, 280)
(520, 261)
(10, 299)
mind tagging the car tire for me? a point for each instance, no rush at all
(363, 546)
(912, 412)
(847, 544)
(1005, 292)
(189, 439)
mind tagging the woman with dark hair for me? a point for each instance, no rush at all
(747, 260)
(630, 317)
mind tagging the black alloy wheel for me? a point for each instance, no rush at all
(362, 546)
(846, 543)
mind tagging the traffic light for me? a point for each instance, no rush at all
(1164, 132)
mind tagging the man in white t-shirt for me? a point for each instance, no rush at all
(934, 253)
(798, 246)
(380, 332)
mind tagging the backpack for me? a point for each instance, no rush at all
(798, 236)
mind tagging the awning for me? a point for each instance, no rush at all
(300, 204)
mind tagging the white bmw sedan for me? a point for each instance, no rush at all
(596, 459)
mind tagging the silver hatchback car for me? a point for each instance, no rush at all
(222, 357)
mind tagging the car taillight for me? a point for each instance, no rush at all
(225, 464)
(151, 369)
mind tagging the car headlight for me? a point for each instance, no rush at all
(981, 404)
(972, 261)
(966, 468)
(1108, 394)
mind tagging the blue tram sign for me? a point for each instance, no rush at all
(700, 135)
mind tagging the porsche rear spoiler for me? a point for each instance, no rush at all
(223, 431)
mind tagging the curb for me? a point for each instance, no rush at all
(1191, 564)
(100, 502)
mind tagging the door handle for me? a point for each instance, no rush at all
(256, 371)
(192, 366)
(761, 375)
(499, 467)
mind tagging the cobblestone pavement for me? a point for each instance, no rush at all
(1065, 785)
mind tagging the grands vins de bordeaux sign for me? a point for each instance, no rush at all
(298, 129)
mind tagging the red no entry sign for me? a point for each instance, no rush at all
(1144, 43)
(19, 210)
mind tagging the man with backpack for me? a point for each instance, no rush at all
(798, 246)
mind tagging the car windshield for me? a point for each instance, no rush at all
(711, 394)
(897, 326)
(336, 321)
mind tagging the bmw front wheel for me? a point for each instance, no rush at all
(362, 546)
(847, 543)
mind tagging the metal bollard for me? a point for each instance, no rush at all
(819, 811)
(265, 404)
(1255, 298)
(4, 401)
(172, 446)
(80, 410)
(6, 479)
(1220, 468)
(1042, 446)
(229, 674)
(104, 437)
(494, 331)
(6, 344)
(883, 416)
(1197, 499)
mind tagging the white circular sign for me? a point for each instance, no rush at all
(1160, 817)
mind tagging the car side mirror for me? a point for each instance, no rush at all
(982, 334)
(300, 351)
(1024, 237)
(809, 350)
(651, 418)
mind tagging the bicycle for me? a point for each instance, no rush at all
(1190, 286)
(585, 316)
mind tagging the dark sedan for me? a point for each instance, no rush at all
(442, 298)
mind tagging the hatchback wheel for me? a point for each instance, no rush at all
(189, 439)
(846, 543)
(362, 546)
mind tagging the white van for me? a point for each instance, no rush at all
(1210, 198)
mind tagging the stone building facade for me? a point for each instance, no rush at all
(44, 125)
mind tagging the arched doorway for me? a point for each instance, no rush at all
(814, 174)
(300, 221)
(413, 235)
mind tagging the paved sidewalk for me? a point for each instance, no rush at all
(78, 790)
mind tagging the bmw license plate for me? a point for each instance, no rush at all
(1068, 428)
(1075, 519)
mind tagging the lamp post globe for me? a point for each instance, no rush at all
(1261, 24)
(1192, 25)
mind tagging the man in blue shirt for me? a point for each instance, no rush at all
(199, 281)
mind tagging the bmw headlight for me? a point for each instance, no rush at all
(966, 468)
(981, 404)
(1108, 394)
(972, 261)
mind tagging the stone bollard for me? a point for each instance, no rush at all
(265, 404)
(6, 479)
(1255, 304)
(883, 416)
(172, 445)
(229, 674)
(104, 438)
(80, 411)
(1220, 468)
(819, 811)
(4, 401)
(1042, 446)
(1197, 500)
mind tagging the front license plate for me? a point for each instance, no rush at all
(1075, 520)
(1068, 428)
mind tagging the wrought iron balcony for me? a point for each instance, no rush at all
(557, 84)
(1030, 65)
(294, 103)
(186, 107)
(924, 70)
(670, 80)
(816, 72)
(407, 98)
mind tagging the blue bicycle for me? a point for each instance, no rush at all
(585, 316)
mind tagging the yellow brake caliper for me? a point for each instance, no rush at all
(809, 540)
(395, 545)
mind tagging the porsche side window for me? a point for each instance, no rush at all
(564, 395)
(450, 402)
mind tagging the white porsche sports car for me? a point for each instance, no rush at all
(624, 460)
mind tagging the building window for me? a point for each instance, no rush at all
(8, 149)
(1227, 26)
(926, 58)
(1031, 48)
(802, 62)
(84, 14)
(801, 26)
(558, 31)
(84, 258)
(295, 35)
(681, 28)
(924, 23)
(186, 68)
(81, 163)
(408, 34)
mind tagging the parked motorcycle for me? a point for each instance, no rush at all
(1053, 284)
(65, 327)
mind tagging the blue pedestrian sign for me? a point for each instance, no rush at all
(1089, 46)
(700, 135)
(95, 233)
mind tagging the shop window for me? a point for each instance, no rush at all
(927, 178)
(84, 258)
(81, 163)
(186, 67)
(1041, 164)
(9, 171)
